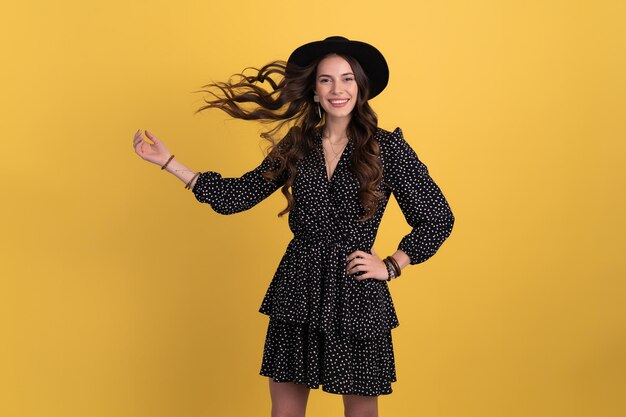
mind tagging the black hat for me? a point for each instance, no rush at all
(370, 58)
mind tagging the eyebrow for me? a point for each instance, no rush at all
(326, 75)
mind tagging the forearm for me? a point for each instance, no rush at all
(181, 172)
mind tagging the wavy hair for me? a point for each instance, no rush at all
(289, 103)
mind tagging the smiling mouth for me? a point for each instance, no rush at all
(339, 103)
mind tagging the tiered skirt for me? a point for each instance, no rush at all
(340, 364)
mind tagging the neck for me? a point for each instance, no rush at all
(335, 129)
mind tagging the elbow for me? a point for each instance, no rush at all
(229, 206)
(445, 220)
(446, 224)
(451, 220)
(225, 209)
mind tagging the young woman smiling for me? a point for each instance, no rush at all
(329, 306)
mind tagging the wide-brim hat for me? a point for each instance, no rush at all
(370, 58)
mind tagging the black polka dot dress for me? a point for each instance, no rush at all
(326, 328)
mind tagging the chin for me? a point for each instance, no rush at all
(337, 114)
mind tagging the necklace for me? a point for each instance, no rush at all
(329, 163)
(331, 144)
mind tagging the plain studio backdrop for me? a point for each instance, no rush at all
(122, 296)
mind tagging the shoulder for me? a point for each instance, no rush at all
(392, 143)
(396, 152)
(385, 135)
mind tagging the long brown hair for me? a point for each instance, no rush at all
(289, 104)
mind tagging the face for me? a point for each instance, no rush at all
(336, 87)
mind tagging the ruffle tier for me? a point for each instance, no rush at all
(311, 285)
(340, 364)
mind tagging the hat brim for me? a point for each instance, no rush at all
(370, 58)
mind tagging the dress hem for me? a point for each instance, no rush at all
(325, 388)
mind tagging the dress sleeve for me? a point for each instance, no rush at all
(423, 204)
(233, 195)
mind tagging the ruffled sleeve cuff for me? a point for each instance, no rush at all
(206, 186)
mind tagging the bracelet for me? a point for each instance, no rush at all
(168, 161)
(395, 265)
(188, 186)
(390, 271)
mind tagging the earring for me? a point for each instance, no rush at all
(319, 110)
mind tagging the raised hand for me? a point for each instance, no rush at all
(155, 152)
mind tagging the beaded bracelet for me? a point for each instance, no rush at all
(188, 186)
(390, 271)
(168, 161)
(395, 265)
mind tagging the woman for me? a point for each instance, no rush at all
(331, 313)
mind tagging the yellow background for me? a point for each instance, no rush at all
(121, 296)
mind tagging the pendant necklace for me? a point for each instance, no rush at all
(328, 163)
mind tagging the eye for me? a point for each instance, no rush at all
(323, 80)
(349, 79)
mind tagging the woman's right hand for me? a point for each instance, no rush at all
(157, 153)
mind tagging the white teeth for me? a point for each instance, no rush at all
(339, 101)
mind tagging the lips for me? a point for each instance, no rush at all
(339, 102)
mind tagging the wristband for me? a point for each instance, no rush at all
(168, 161)
(395, 265)
(390, 271)
(188, 186)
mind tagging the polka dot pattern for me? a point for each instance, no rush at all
(325, 327)
(340, 364)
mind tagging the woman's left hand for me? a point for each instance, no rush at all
(371, 264)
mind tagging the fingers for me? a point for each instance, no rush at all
(152, 138)
(361, 261)
(137, 138)
(352, 263)
(352, 268)
(358, 254)
(138, 143)
(364, 276)
(354, 257)
(358, 265)
(370, 275)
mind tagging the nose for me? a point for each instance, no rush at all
(336, 89)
